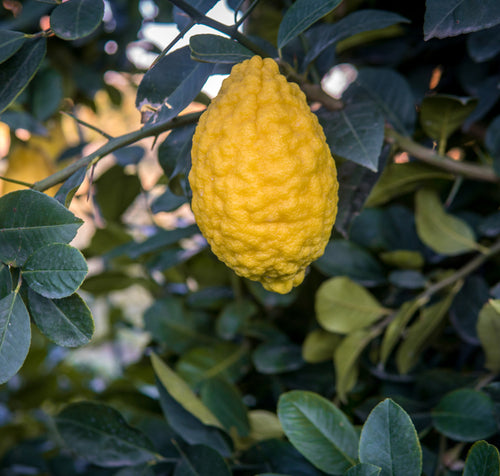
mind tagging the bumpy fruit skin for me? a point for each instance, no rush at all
(263, 179)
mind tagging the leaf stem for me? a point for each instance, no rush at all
(89, 126)
(112, 145)
(472, 171)
(18, 182)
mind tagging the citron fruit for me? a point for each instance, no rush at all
(263, 179)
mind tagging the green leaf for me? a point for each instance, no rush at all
(363, 469)
(492, 142)
(440, 231)
(168, 202)
(100, 434)
(319, 346)
(444, 18)
(182, 393)
(233, 317)
(19, 69)
(30, 220)
(465, 415)
(300, 16)
(484, 45)
(174, 153)
(199, 460)
(420, 333)
(47, 94)
(345, 359)
(399, 179)
(67, 322)
(55, 271)
(15, 335)
(319, 430)
(277, 357)
(343, 306)
(223, 399)
(218, 49)
(76, 18)
(355, 132)
(396, 327)
(482, 460)
(442, 114)
(10, 42)
(389, 440)
(345, 258)
(5, 281)
(225, 360)
(488, 330)
(324, 35)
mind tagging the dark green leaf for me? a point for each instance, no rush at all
(389, 440)
(233, 316)
(76, 18)
(492, 142)
(363, 469)
(482, 460)
(68, 189)
(279, 357)
(15, 335)
(355, 132)
(217, 49)
(55, 271)
(344, 258)
(225, 402)
(30, 220)
(490, 226)
(47, 94)
(23, 120)
(10, 42)
(323, 36)
(17, 72)
(182, 19)
(100, 434)
(408, 279)
(174, 153)
(442, 114)
(129, 155)
(445, 18)
(200, 460)
(111, 281)
(300, 16)
(319, 430)
(484, 45)
(465, 415)
(5, 281)
(67, 322)
(167, 202)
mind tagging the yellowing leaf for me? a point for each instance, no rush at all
(344, 306)
(488, 330)
(404, 259)
(439, 230)
(319, 346)
(182, 393)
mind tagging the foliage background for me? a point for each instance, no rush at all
(385, 361)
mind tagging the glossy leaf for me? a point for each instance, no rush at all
(300, 16)
(55, 271)
(199, 460)
(15, 335)
(322, 36)
(10, 42)
(419, 334)
(319, 346)
(345, 359)
(76, 18)
(345, 258)
(344, 306)
(488, 331)
(100, 434)
(67, 322)
(399, 179)
(444, 18)
(484, 45)
(442, 114)
(440, 231)
(389, 440)
(19, 69)
(226, 403)
(363, 469)
(355, 132)
(482, 460)
(319, 430)
(465, 415)
(30, 220)
(180, 391)
(217, 49)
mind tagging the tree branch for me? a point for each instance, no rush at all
(467, 169)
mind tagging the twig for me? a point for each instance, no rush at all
(87, 125)
(473, 171)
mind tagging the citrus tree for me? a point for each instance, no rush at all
(128, 348)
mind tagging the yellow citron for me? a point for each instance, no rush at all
(29, 165)
(263, 179)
